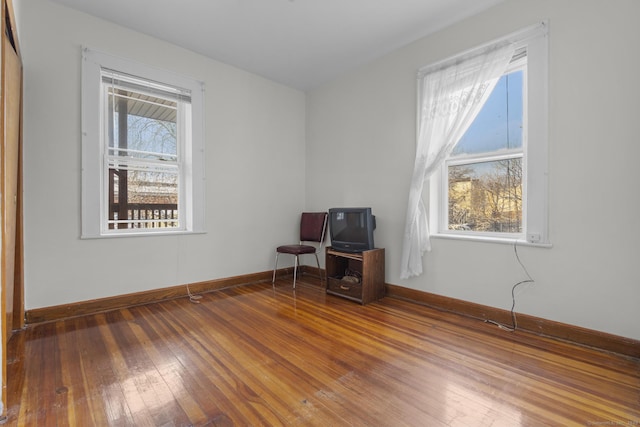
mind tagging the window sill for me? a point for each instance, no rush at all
(141, 234)
(492, 239)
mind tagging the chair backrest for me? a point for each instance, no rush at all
(313, 227)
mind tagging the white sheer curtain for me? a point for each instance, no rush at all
(450, 96)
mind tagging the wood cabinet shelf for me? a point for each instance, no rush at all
(367, 266)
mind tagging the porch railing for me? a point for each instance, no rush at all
(144, 215)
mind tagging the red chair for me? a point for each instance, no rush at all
(313, 227)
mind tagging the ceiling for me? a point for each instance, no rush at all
(299, 43)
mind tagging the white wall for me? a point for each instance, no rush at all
(255, 154)
(361, 142)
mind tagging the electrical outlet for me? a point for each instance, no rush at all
(533, 237)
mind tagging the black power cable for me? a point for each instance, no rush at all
(514, 322)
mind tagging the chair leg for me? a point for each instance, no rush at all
(275, 267)
(295, 271)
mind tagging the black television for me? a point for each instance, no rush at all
(351, 229)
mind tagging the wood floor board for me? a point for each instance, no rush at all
(222, 358)
(258, 356)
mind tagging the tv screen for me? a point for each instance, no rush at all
(351, 229)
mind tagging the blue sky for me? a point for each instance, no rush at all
(489, 130)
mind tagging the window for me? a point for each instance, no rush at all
(142, 149)
(483, 174)
(492, 186)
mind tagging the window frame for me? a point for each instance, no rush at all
(534, 42)
(95, 145)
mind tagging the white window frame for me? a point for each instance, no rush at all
(534, 154)
(95, 163)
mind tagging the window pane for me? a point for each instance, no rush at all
(143, 199)
(142, 126)
(486, 196)
(143, 163)
(498, 126)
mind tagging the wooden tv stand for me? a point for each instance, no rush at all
(369, 265)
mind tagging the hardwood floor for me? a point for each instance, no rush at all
(252, 356)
